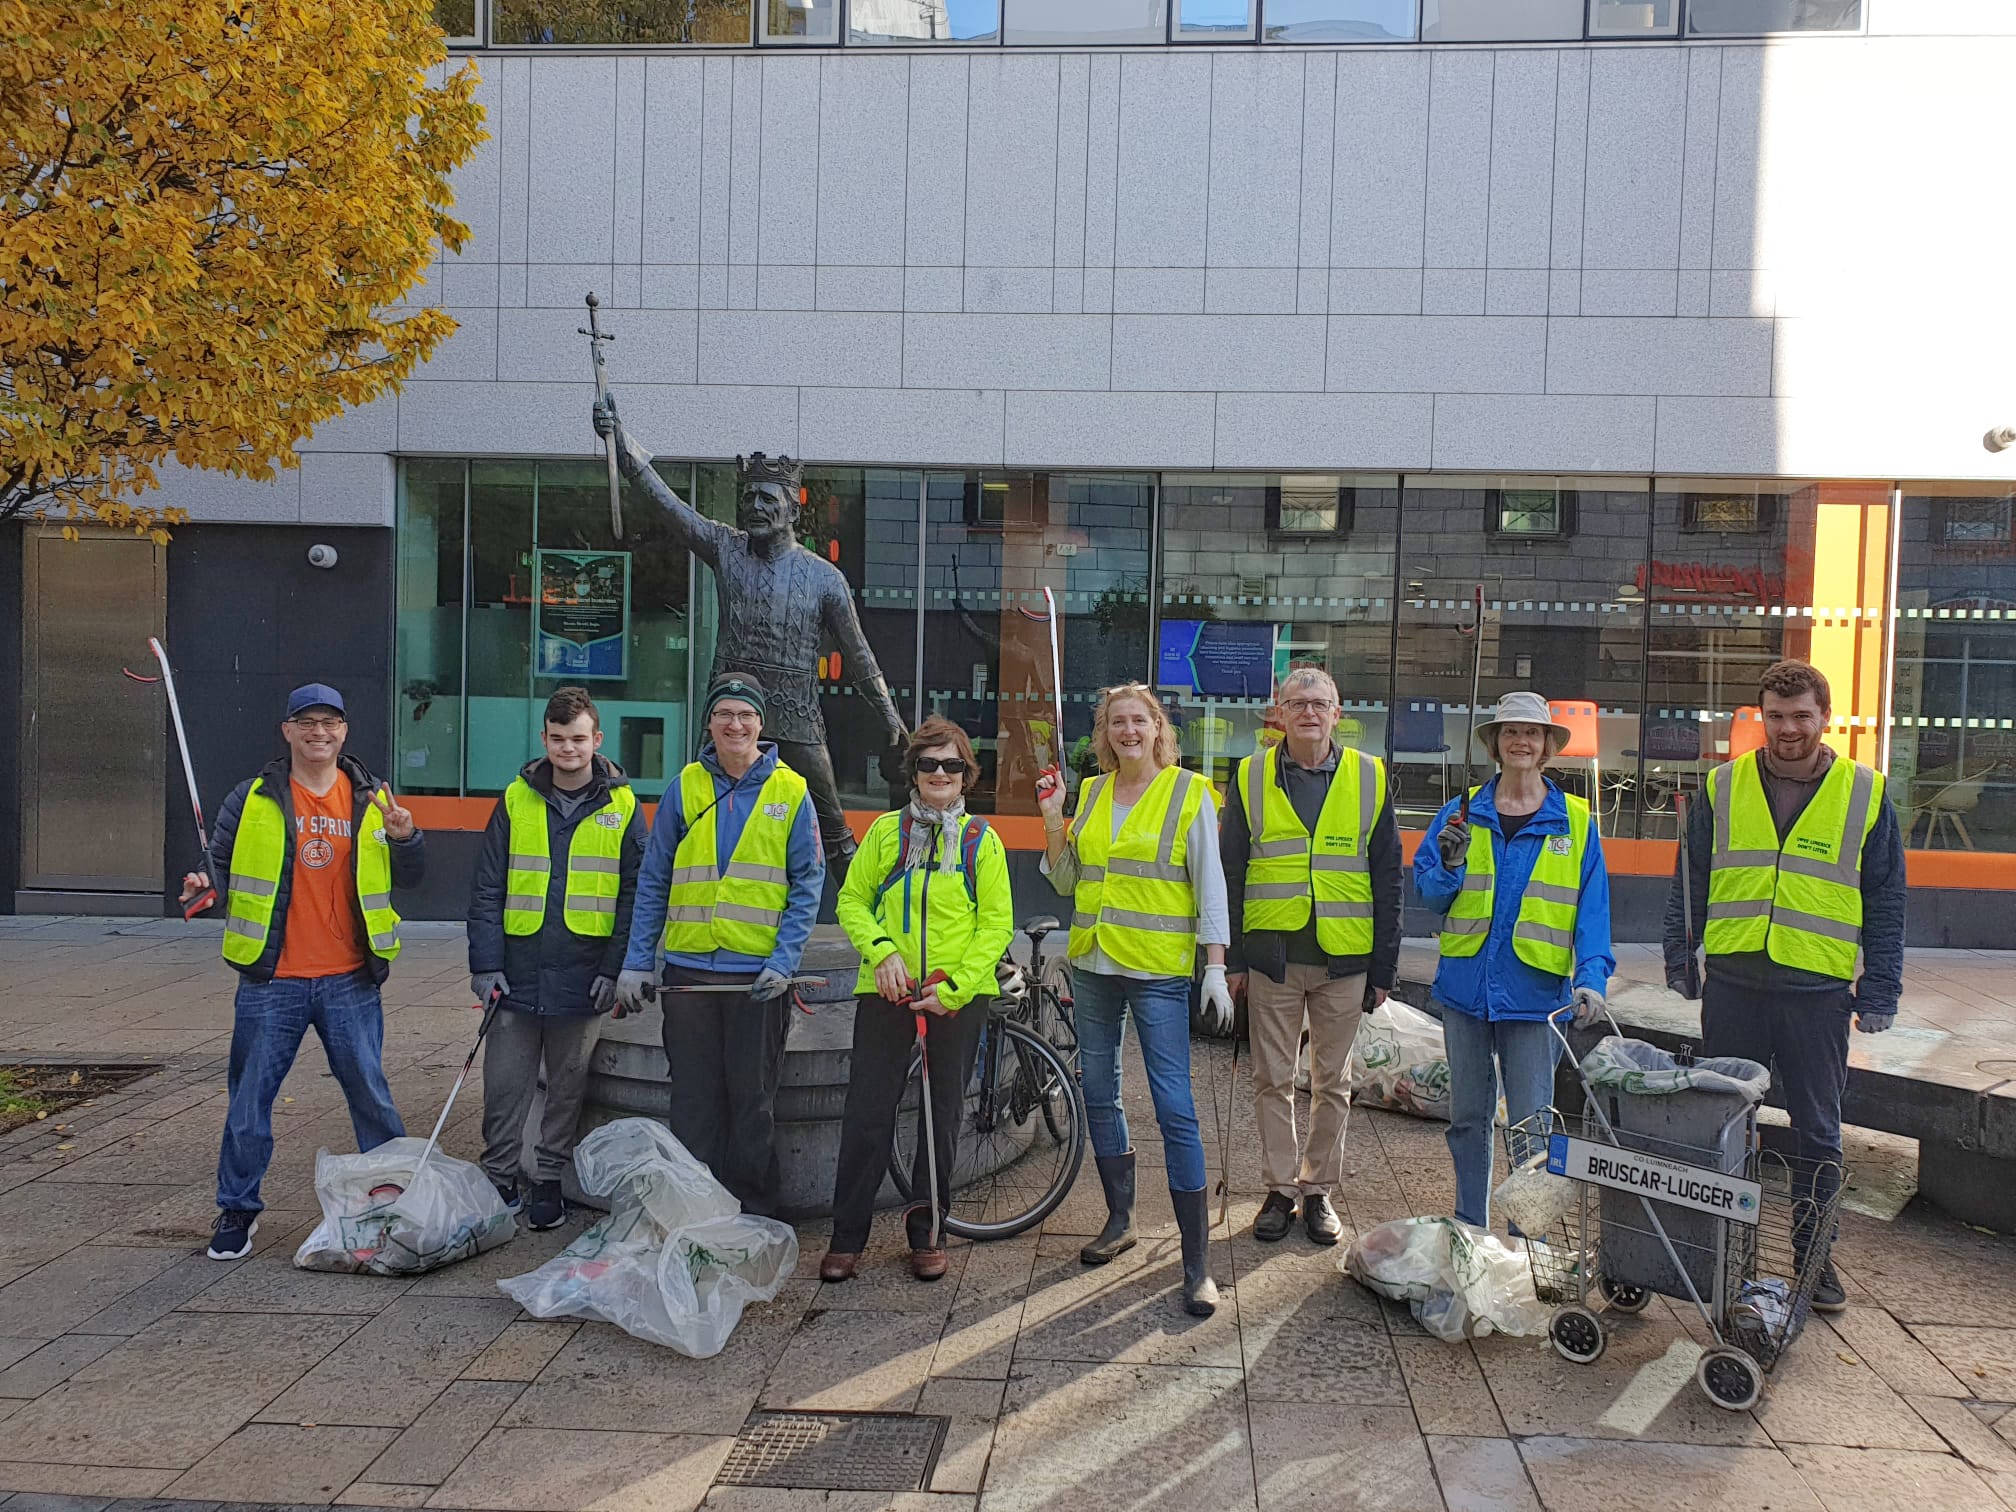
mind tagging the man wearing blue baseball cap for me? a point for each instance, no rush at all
(310, 850)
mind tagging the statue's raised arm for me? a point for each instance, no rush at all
(693, 530)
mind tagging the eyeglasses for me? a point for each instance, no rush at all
(736, 716)
(1307, 705)
(954, 765)
(329, 725)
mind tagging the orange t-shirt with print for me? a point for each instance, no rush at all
(322, 930)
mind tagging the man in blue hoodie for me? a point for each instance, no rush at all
(727, 895)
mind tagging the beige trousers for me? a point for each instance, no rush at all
(1274, 1017)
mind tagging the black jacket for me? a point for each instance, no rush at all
(409, 857)
(1266, 950)
(551, 971)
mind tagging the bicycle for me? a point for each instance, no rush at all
(1013, 1166)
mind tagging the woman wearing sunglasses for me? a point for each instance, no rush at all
(1141, 866)
(928, 905)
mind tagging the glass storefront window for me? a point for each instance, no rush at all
(993, 543)
(884, 23)
(1075, 23)
(1952, 738)
(1214, 20)
(1561, 563)
(1634, 18)
(590, 22)
(1752, 18)
(1500, 20)
(457, 19)
(1341, 21)
(1261, 572)
(427, 629)
(801, 21)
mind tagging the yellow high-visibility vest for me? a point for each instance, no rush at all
(1289, 872)
(738, 908)
(1543, 935)
(259, 850)
(1800, 901)
(594, 863)
(1134, 899)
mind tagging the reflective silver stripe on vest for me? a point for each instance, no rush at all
(1552, 892)
(1325, 861)
(1739, 908)
(685, 875)
(524, 901)
(1091, 872)
(251, 929)
(1084, 920)
(586, 904)
(755, 871)
(1342, 910)
(1368, 815)
(1153, 923)
(1456, 926)
(380, 943)
(1256, 802)
(1833, 929)
(517, 862)
(253, 887)
(1727, 859)
(1277, 890)
(1475, 881)
(608, 865)
(1165, 849)
(370, 901)
(1546, 934)
(1155, 871)
(768, 918)
(1274, 850)
(688, 913)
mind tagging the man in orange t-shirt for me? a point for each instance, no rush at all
(309, 945)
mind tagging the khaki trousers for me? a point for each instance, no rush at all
(1274, 1016)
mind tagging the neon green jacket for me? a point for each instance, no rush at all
(965, 934)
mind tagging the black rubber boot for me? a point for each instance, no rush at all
(1193, 1219)
(1116, 1175)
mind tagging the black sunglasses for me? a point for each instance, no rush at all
(956, 765)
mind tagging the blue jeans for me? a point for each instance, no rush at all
(1482, 1051)
(271, 1018)
(1161, 1013)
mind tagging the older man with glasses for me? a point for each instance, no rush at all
(1312, 872)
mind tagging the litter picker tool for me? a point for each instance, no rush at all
(1049, 617)
(489, 1014)
(1689, 979)
(596, 338)
(1225, 1129)
(1476, 681)
(208, 897)
(683, 987)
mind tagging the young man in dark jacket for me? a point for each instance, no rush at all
(309, 852)
(549, 919)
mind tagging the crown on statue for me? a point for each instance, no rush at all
(758, 468)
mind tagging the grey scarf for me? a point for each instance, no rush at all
(931, 827)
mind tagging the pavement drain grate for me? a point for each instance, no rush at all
(835, 1451)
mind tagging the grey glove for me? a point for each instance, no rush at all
(1873, 1023)
(602, 994)
(1590, 1007)
(1453, 843)
(636, 988)
(771, 983)
(489, 984)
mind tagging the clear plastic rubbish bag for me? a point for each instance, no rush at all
(1459, 1282)
(1533, 1199)
(676, 1260)
(1398, 1062)
(1629, 1065)
(377, 1219)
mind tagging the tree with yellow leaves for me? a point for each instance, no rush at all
(210, 212)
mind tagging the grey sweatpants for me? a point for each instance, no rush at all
(517, 1044)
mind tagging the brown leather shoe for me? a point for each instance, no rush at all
(838, 1265)
(928, 1264)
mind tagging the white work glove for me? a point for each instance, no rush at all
(770, 983)
(1589, 1007)
(488, 984)
(634, 989)
(1217, 1001)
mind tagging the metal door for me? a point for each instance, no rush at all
(91, 740)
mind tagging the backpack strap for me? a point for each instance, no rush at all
(969, 854)
(902, 850)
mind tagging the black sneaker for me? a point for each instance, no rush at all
(1321, 1219)
(1276, 1217)
(508, 1195)
(1830, 1296)
(231, 1235)
(545, 1208)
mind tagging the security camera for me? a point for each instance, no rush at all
(2000, 439)
(320, 555)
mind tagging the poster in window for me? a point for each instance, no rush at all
(584, 613)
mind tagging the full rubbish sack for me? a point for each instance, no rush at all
(1533, 1199)
(1459, 1282)
(1398, 1062)
(1642, 1070)
(377, 1219)
(676, 1260)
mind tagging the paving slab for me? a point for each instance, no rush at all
(855, 1362)
(1330, 1456)
(1128, 1311)
(54, 1298)
(1447, 1387)
(571, 1470)
(523, 1350)
(1984, 1359)
(1482, 1475)
(1592, 1475)
(52, 1364)
(1823, 1395)
(273, 1462)
(454, 1423)
(1906, 1365)
(1881, 1480)
(387, 1372)
(112, 1482)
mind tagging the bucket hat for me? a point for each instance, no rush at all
(1522, 708)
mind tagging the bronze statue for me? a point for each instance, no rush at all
(777, 599)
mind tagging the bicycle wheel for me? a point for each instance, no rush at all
(1051, 1000)
(1021, 1135)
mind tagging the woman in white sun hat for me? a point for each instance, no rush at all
(1516, 868)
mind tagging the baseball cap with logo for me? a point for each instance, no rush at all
(314, 696)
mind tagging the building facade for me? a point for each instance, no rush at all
(1256, 335)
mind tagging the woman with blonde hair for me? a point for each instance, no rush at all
(1140, 863)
